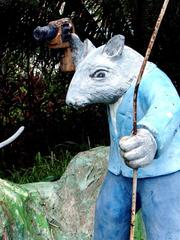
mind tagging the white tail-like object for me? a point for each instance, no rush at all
(12, 138)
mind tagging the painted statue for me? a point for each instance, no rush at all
(107, 74)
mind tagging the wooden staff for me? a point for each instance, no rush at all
(148, 52)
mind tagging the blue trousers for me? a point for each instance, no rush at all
(158, 198)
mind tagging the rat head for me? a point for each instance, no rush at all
(102, 75)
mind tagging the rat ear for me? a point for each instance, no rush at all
(114, 46)
(88, 47)
(80, 49)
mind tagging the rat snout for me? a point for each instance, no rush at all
(71, 102)
(75, 101)
(77, 95)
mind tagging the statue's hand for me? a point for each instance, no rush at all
(138, 150)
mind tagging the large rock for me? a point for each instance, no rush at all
(65, 207)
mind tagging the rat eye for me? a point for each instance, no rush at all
(101, 73)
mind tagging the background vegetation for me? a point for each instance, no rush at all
(33, 89)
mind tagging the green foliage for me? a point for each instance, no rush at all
(46, 168)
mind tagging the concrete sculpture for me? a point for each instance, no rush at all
(107, 75)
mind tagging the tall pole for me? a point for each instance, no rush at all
(148, 52)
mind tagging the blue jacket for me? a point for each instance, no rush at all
(158, 111)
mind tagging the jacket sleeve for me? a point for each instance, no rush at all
(162, 108)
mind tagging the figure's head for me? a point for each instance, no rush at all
(102, 76)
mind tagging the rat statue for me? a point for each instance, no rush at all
(107, 74)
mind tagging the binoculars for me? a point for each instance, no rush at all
(58, 33)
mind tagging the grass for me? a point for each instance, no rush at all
(46, 168)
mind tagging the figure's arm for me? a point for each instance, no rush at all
(159, 125)
(163, 116)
